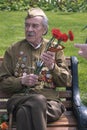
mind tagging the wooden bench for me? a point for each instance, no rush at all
(71, 119)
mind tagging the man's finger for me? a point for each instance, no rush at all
(82, 46)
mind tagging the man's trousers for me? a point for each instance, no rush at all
(34, 111)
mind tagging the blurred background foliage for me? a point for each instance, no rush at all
(55, 5)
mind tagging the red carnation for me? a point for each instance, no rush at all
(64, 37)
(56, 33)
(71, 36)
(60, 37)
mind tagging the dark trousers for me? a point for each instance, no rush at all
(36, 112)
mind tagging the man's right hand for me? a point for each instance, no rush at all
(29, 80)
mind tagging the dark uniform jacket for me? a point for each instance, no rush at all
(21, 58)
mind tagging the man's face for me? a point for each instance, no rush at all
(34, 29)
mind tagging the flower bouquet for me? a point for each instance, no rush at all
(59, 36)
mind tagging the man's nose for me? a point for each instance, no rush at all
(29, 28)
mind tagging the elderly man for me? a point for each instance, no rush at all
(35, 100)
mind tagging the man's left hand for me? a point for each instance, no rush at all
(48, 59)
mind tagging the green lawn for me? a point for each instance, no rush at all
(12, 30)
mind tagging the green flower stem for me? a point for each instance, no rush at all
(49, 43)
(38, 69)
(58, 43)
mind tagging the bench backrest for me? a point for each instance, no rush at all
(65, 93)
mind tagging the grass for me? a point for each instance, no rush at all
(12, 30)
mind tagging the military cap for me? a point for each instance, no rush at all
(33, 12)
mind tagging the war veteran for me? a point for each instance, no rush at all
(35, 101)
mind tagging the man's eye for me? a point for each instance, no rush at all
(27, 25)
(35, 25)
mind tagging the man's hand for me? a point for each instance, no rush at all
(49, 59)
(82, 50)
(29, 80)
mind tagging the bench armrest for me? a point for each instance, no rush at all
(80, 110)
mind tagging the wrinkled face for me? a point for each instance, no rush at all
(34, 29)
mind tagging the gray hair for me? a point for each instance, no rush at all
(45, 24)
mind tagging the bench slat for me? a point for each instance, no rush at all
(58, 128)
(65, 94)
(62, 94)
(68, 104)
(65, 120)
(2, 105)
(4, 95)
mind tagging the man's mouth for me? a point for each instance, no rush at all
(31, 34)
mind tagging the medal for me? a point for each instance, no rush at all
(21, 52)
(22, 66)
(24, 59)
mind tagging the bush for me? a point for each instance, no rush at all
(61, 5)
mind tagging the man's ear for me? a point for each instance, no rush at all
(45, 31)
